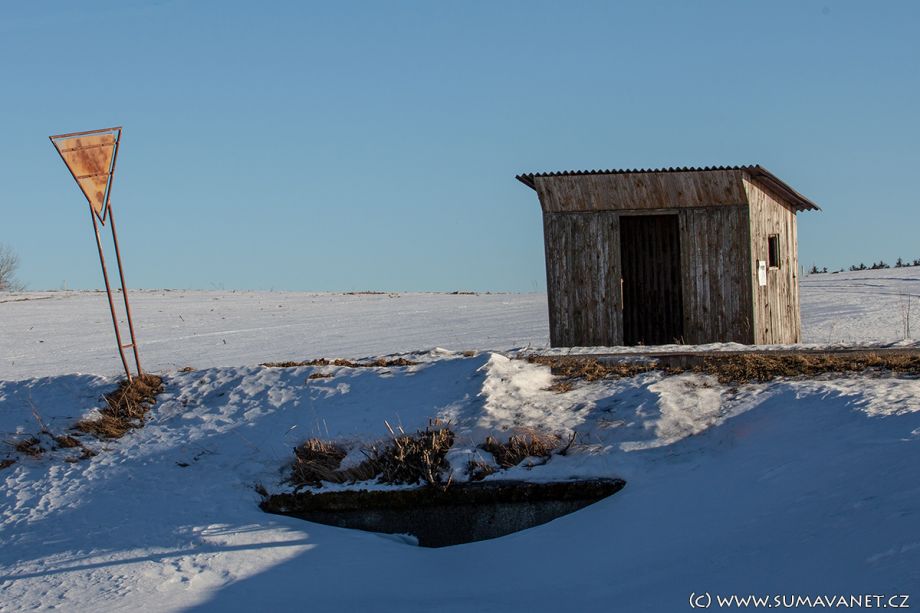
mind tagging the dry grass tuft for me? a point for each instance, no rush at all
(316, 461)
(405, 459)
(562, 386)
(479, 470)
(6, 463)
(32, 447)
(65, 441)
(378, 363)
(414, 458)
(86, 453)
(320, 375)
(765, 367)
(590, 369)
(29, 446)
(106, 426)
(365, 471)
(125, 409)
(524, 444)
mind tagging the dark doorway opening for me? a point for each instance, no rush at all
(653, 311)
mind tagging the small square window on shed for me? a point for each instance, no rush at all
(773, 250)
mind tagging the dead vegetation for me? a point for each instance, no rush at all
(65, 441)
(591, 369)
(562, 386)
(36, 446)
(764, 367)
(316, 461)
(420, 457)
(378, 363)
(405, 459)
(525, 443)
(29, 446)
(414, 458)
(729, 368)
(6, 463)
(125, 408)
(85, 454)
(479, 469)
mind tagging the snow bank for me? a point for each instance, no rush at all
(801, 487)
(789, 486)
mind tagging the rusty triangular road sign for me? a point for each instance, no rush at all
(90, 157)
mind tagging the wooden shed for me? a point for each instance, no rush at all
(676, 255)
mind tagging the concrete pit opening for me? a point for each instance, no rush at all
(441, 517)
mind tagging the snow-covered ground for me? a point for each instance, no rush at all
(48, 333)
(861, 307)
(792, 487)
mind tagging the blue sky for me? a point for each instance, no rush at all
(351, 146)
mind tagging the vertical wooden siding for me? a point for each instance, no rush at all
(776, 306)
(716, 286)
(582, 278)
(583, 273)
(721, 241)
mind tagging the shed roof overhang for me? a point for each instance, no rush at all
(756, 173)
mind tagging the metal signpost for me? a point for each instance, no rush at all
(90, 157)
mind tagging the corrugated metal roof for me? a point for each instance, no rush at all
(756, 172)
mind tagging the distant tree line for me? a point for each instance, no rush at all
(900, 263)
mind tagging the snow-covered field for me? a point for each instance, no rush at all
(49, 333)
(792, 487)
(868, 306)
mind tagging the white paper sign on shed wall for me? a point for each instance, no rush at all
(762, 272)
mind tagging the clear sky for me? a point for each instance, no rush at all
(373, 145)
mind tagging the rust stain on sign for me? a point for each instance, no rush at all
(90, 158)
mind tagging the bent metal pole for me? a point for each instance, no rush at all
(108, 291)
(91, 157)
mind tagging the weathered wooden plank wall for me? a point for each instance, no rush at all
(715, 256)
(776, 306)
(725, 220)
(582, 279)
(583, 272)
(668, 190)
